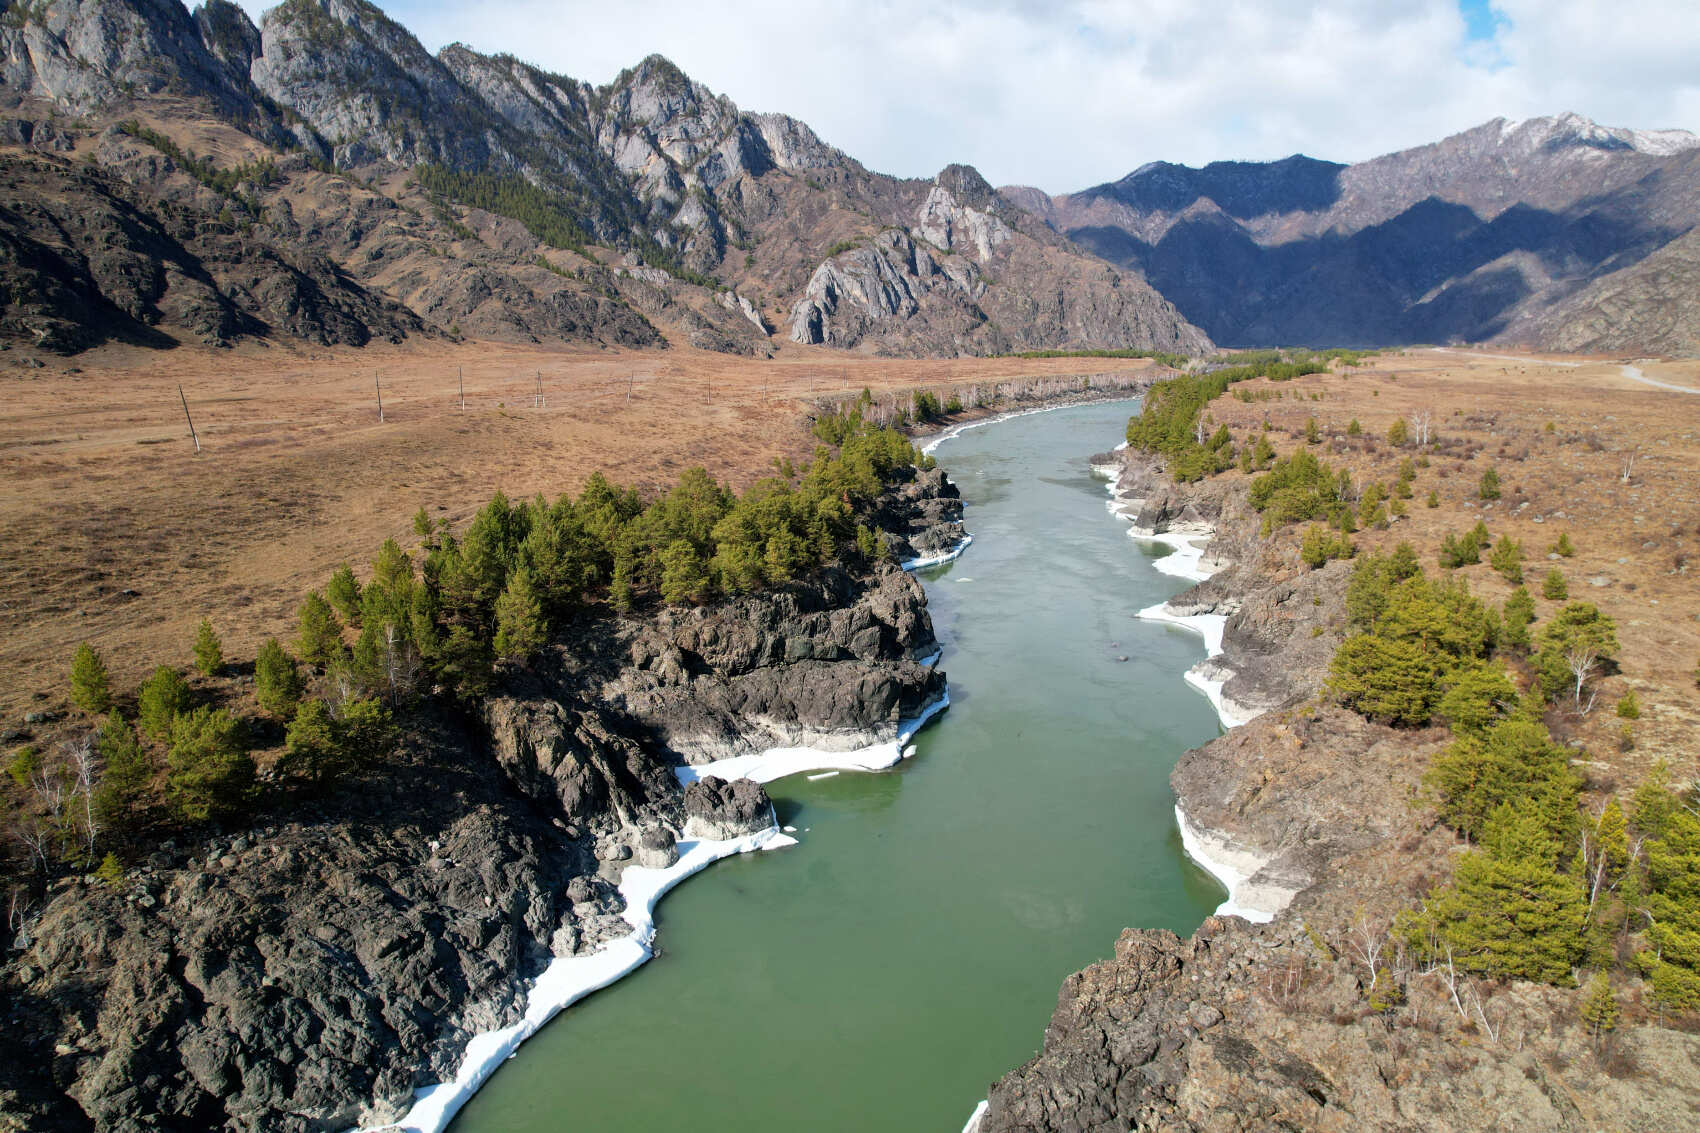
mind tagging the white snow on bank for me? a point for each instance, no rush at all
(973, 1125)
(1234, 868)
(941, 558)
(778, 762)
(1187, 561)
(568, 979)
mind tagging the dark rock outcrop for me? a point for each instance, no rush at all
(309, 975)
(716, 809)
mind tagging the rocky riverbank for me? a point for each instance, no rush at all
(1263, 1026)
(313, 972)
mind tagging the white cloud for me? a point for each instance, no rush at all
(1069, 94)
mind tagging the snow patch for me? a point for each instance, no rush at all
(777, 763)
(941, 558)
(1234, 867)
(973, 1125)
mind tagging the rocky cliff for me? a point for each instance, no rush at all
(1273, 1025)
(311, 972)
(1512, 231)
(504, 201)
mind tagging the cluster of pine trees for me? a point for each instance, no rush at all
(365, 651)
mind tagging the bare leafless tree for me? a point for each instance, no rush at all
(1628, 467)
(80, 755)
(1581, 661)
(1421, 422)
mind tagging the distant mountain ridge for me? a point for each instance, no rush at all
(1513, 231)
(496, 199)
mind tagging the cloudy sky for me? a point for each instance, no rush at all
(1071, 93)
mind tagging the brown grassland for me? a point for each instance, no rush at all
(1559, 433)
(114, 531)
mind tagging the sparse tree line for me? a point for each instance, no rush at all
(902, 409)
(169, 756)
(1547, 890)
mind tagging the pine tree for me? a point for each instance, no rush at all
(1479, 697)
(343, 590)
(1554, 587)
(111, 871)
(1433, 500)
(1489, 489)
(210, 774)
(1519, 612)
(209, 651)
(320, 641)
(1353, 429)
(1629, 706)
(1398, 433)
(1509, 912)
(90, 688)
(1384, 679)
(1507, 559)
(277, 682)
(520, 626)
(128, 771)
(311, 751)
(1599, 1007)
(1564, 546)
(1313, 432)
(684, 573)
(162, 698)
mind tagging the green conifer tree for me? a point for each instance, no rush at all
(521, 629)
(1599, 1009)
(209, 651)
(343, 591)
(128, 770)
(90, 688)
(1489, 488)
(1554, 587)
(210, 774)
(320, 639)
(163, 696)
(1510, 913)
(277, 682)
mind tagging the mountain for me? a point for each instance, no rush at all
(1550, 232)
(471, 194)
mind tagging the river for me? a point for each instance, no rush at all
(881, 974)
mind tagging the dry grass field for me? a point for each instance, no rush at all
(114, 531)
(1579, 448)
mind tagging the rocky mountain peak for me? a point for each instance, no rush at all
(965, 184)
(1571, 131)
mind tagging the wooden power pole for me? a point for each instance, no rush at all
(379, 387)
(460, 385)
(193, 435)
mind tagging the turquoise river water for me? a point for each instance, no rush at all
(881, 974)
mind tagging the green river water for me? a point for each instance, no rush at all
(881, 974)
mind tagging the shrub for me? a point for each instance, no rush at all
(90, 688)
(1629, 706)
(1433, 498)
(1554, 587)
(1353, 429)
(1489, 488)
(1564, 546)
(1398, 433)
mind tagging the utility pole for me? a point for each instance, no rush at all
(377, 385)
(460, 385)
(542, 401)
(631, 383)
(196, 436)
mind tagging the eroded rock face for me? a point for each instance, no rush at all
(716, 809)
